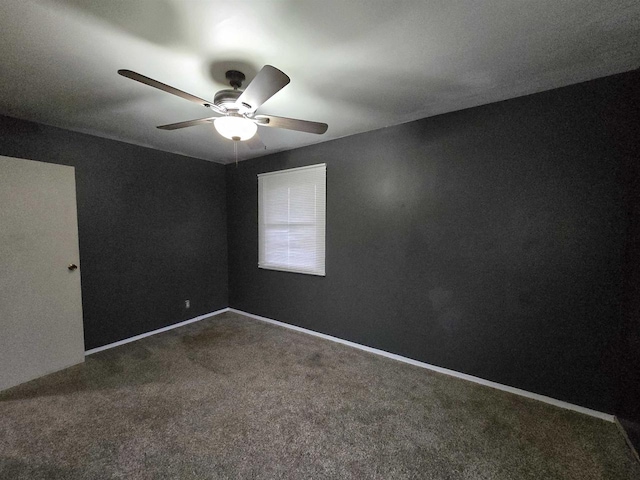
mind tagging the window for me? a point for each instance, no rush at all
(291, 219)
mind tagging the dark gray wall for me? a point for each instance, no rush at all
(629, 403)
(152, 229)
(489, 241)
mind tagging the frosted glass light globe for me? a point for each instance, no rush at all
(233, 127)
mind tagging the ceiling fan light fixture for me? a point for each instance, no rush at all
(233, 127)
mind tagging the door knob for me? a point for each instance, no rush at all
(72, 267)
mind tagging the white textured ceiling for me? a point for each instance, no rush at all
(356, 65)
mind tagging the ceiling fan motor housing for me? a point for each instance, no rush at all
(227, 99)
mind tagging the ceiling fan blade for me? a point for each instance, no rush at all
(164, 87)
(291, 124)
(255, 143)
(266, 83)
(188, 123)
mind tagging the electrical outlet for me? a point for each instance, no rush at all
(187, 304)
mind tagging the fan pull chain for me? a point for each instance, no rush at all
(235, 148)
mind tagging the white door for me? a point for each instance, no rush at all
(40, 301)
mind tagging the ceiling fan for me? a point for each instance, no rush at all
(236, 108)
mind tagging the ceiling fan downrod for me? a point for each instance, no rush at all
(235, 78)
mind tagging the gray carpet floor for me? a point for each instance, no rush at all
(231, 397)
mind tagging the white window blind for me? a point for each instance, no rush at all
(292, 219)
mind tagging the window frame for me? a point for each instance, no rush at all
(321, 272)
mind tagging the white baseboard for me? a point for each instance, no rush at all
(410, 361)
(446, 371)
(148, 334)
